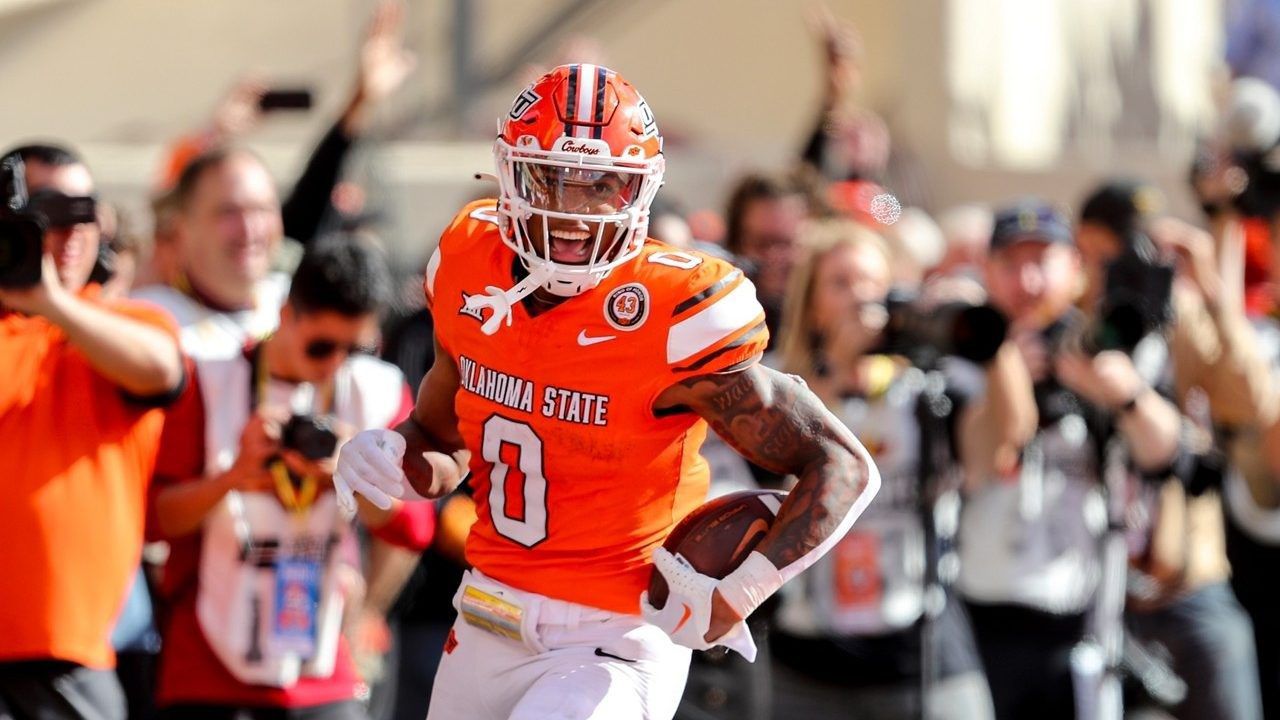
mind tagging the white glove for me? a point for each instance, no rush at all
(687, 615)
(370, 464)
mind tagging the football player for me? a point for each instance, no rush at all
(578, 366)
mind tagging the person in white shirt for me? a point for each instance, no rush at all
(1033, 512)
(228, 230)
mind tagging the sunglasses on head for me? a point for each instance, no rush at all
(324, 349)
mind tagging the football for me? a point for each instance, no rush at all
(716, 537)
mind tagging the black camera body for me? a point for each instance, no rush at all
(21, 229)
(24, 218)
(1137, 299)
(925, 336)
(310, 436)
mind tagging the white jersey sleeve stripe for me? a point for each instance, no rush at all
(433, 266)
(865, 497)
(732, 312)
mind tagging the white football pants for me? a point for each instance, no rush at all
(574, 663)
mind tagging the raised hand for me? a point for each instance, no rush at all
(384, 61)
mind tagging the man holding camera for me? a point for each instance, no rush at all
(1178, 594)
(1029, 530)
(79, 427)
(262, 559)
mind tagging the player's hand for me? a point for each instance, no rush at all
(695, 616)
(723, 618)
(429, 472)
(370, 464)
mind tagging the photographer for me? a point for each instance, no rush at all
(850, 635)
(1030, 526)
(263, 561)
(1178, 595)
(80, 426)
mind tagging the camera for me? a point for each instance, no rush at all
(926, 335)
(24, 218)
(310, 436)
(21, 230)
(1136, 300)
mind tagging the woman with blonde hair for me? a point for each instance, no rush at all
(846, 640)
(834, 302)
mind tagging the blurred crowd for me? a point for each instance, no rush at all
(1073, 411)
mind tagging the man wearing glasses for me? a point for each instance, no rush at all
(228, 229)
(261, 553)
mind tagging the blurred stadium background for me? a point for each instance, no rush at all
(984, 99)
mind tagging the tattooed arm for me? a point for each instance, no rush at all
(775, 421)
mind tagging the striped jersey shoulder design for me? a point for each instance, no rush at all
(712, 318)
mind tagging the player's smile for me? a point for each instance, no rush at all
(571, 246)
(572, 241)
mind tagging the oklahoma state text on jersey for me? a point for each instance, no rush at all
(576, 481)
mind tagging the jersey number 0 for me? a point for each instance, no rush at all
(526, 525)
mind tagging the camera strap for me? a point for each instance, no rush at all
(296, 494)
(322, 395)
(297, 498)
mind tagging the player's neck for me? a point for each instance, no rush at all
(538, 301)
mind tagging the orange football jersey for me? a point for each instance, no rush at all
(576, 480)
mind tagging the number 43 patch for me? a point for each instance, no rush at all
(627, 306)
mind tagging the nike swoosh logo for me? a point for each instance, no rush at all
(688, 613)
(585, 340)
(755, 530)
(601, 653)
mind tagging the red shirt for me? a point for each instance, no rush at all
(189, 671)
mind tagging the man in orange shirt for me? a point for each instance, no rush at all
(79, 429)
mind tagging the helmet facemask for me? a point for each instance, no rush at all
(545, 193)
